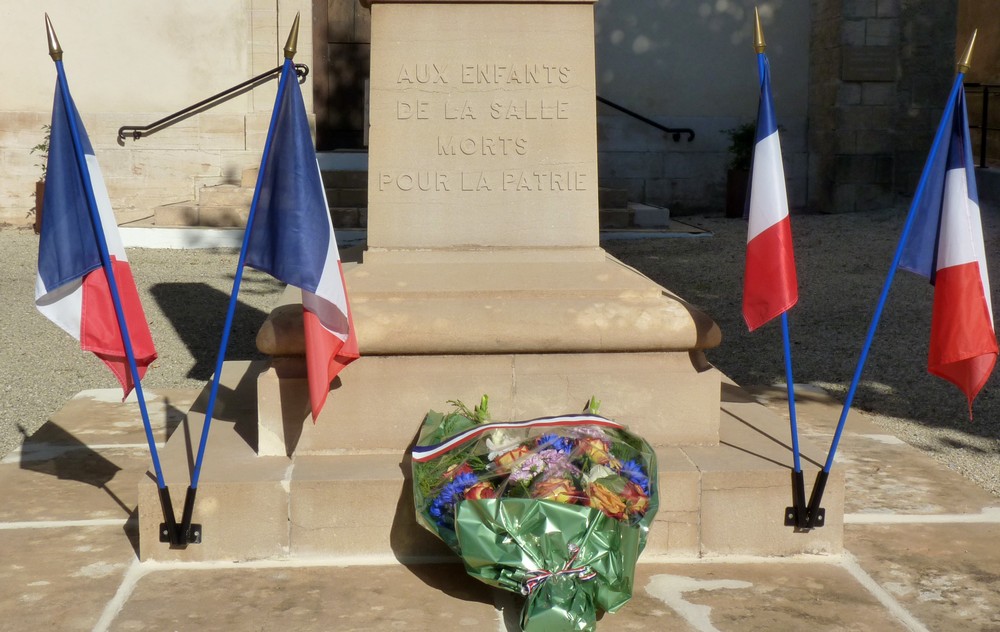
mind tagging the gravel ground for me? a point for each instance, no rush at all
(842, 261)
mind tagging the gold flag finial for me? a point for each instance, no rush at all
(293, 39)
(758, 33)
(55, 51)
(966, 61)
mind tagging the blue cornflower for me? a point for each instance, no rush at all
(634, 472)
(443, 507)
(555, 442)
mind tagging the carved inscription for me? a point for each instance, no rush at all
(485, 112)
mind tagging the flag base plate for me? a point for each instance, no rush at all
(180, 540)
(815, 523)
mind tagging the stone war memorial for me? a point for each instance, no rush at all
(483, 274)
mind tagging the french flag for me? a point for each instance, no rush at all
(770, 285)
(292, 239)
(72, 288)
(946, 246)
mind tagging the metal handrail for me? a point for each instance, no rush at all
(137, 132)
(674, 131)
(984, 121)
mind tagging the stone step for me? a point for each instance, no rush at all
(229, 195)
(724, 499)
(345, 179)
(351, 197)
(608, 198)
(191, 214)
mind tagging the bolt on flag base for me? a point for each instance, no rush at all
(185, 533)
(178, 537)
(799, 514)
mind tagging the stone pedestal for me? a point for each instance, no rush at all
(483, 274)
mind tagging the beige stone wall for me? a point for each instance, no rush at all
(131, 63)
(692, 64)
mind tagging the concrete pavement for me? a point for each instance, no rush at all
(920, 551)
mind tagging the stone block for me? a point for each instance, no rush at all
(852, 33)
(614, 218)
(224, 195)
(647, 216)
(881, 32)
(849, 94)
(182, 214)
(345, 179)
(636, 384)
(400, 390)
(223, 216)
(612, 198)
(868, 63)
(860, 8)
(478, 185)
(345, 217)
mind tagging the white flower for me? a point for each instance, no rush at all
(598, 472)
(499, 442)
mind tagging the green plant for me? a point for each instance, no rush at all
(42, 149)
(741, 140)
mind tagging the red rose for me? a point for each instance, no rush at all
(635, 499)
(505, 460)
(561, 490)
(600, 497)
(480, 490)
(456, 470)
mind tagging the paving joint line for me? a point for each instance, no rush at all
(884, 597)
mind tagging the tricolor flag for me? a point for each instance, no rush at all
(770, 285)
(292, 239)
(72, 287)
(946, 246)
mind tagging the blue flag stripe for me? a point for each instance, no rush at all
(920, 252)
(67, 246)
(766, 124)
(290, 237)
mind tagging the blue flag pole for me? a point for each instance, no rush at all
(55, 51)
(943, 128)
(795, 516)
(287, 74)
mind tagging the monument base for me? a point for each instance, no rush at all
(723, 499)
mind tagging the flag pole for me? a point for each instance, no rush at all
(795, 516)
(189, 533)
(56, 53)
(821, 477)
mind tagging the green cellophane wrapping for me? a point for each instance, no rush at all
(585, 558)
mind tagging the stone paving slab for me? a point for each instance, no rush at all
(310, 599)
(98, 417)
(887, 476)
(61, 578)
(947, 575)
(72, 484)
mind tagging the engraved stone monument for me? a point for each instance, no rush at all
(483, 273)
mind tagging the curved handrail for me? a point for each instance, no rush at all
(138, 132)
(674, 131)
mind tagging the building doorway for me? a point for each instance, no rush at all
(341, 60)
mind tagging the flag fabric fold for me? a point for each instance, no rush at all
(770, 284)
(71, 288)
(292, 239)
(946, 246)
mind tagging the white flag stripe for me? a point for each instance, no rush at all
(768, 199)
(961, 236)
(115, 246)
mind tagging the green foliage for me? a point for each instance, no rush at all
(42, 149)
(741, 140)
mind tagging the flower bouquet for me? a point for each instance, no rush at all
(556, 508)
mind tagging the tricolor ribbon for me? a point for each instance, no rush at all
(423, 453)
(539, 577)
